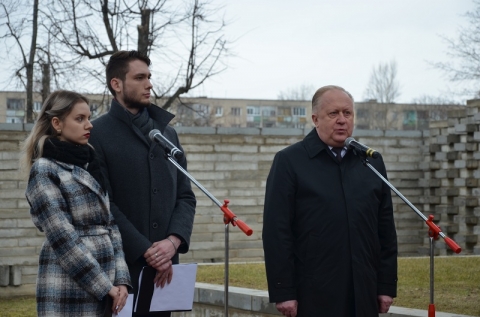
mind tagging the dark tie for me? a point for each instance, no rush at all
(338, 151)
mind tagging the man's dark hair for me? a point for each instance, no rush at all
(117, 66)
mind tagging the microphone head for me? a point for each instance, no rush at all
(152, 133)
(348, 141)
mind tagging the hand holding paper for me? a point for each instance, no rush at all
(128, 309)
(176, 296)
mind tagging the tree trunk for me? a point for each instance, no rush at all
(144, 32)
(172, 98)
(31, 61)
(45, 81)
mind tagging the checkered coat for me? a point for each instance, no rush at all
(82, 257)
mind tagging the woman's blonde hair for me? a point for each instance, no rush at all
(59, 104)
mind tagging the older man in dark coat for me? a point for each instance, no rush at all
(151, 200)
(329, 235)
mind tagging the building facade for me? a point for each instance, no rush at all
(254, 113)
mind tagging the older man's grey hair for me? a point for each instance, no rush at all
(316, 100)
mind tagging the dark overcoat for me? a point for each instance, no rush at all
(82, 256)
(149, 197)
(329, 235)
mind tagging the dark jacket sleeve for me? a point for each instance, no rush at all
(278, 238)
(135, 244)
(387, 273)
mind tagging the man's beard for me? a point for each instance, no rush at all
(134, 102)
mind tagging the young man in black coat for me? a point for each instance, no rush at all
(151, 200)
(328, 232)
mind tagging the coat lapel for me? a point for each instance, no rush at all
(85, 178)
(160, 117)
(313, 144)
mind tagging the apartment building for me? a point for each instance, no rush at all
(259, 113)
(370, 115)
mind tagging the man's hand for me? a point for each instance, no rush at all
(161, 252)
(288, 308)
(164, 275)
(384, 303)
(159, 257)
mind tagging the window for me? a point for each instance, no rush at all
(37, 106)
(299, 111)
(94, 109)
(236, 112)
(184, 111)
(409, 120)
(200, 110)
(269, 112)
(13, 120)
(15, 104)
(15, 110)
(282, 111)
(255, 111)
(218, 111)
(363, 113)
(423, 120)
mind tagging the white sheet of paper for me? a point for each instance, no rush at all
(127, 310)
(178, 295)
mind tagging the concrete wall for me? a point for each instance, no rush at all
(451, 178)
(20, 241)
(233, 164)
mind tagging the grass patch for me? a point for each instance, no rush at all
(457, 284)
(18, 307)
(456, 289)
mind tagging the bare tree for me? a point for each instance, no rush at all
(193, 114)
(302, 92)
(437, 107)
(434, 100)
(15, 29)
(464, 51)
(187, 41)
(383, 85)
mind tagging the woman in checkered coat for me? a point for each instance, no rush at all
(81, 265)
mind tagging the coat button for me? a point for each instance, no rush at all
(155, 225)
(152, 156)
(155, 190)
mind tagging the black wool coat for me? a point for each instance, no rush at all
(149, 197)
(328, 233)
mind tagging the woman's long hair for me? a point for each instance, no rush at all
(59, 104)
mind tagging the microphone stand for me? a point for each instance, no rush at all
(228, 218)
(433, 231)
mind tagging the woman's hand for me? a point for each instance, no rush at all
(119, 295)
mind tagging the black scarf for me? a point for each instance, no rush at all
(79, 155)
(143, 122)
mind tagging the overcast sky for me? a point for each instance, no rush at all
(282, 44)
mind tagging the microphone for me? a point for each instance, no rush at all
(157, 136)
(363, 150)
